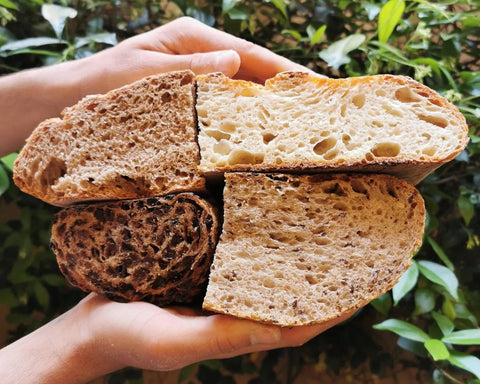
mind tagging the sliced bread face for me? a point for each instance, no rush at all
(298, 250)
(157, 249)
(136, 141)
(379, 123)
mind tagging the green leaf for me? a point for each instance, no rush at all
(8, 160)
(404, 329)
(383, 303)
(102, 38)
(4, 181)
(57, 16)
(227, 5)
(389, 16)
(337, 53)
(424, 301)
(41, 294)
(462, 312)
(465, 337)
(444, 323)
(30, 42)
(405, 284)
(440, 253)
(281, 6)
(415, 347)
(8, 298)
(315, 35)
(467, 362)
(437, 349)
(54, 280)
(292, 32)
(466, 208)
(185, 373)
(440, 275)
(8, 4)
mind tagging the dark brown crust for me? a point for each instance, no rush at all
(157, 249)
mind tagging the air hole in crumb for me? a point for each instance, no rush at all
(322, 241)
(406, 95)
(369, 156)
(202, 112)
(228, 126)
(358, 186)
(346, 139)
(343, 110)
(311, 279)
(330, 155)
(359, 100)
(217, 135)
(435, 120)
(55, 169)
(429, 151)
(340, 206)
(324, 146)
(166, 97)
(386, 150)
(243, 157)
(269, 283)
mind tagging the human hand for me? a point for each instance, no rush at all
(186, 43)
(145, 336)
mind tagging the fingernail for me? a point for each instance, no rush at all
(266, 335)
(225, 61)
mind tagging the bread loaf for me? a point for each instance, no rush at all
(136, 141)
(388, 124)
(157, 249)
(298, 250)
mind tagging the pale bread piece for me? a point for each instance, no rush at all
(298, 250)
(387, 124)
(133, 142)
(157, 249)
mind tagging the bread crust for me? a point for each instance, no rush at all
(157, 249)
(412, 168)
(300, 250)
(136, 141)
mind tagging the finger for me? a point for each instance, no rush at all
(226, 61)
(187, 35)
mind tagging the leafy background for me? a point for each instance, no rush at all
(428, 324)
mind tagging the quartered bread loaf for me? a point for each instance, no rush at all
(298, 250)
(157, 249)
(136, 141)
(388, 124)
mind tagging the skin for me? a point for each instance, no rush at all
(99, 336)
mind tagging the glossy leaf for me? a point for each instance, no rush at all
(440, 275)
(424, 301)
(315, 35)
(389, 16)
(464, 337)
(444, 323)
(404, 329)
(383, 303)
(29, 43)
(406, 283)
(336, 54)
(467, 362)
(437, 349)
(8, 4)
(8, 160)
(57, 16)
(4, 180)
(467, 209)
(440, 253)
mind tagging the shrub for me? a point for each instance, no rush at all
(435, 306)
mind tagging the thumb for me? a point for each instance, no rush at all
(227, 62)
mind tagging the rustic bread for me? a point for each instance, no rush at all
(136, 141)
(157, 249)
(297, 122)
(298, 250)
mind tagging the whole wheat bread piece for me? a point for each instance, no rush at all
(157, 249)
(133, 142)
(298, 250)
(387, 124)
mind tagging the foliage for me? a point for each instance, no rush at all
(434, 308)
